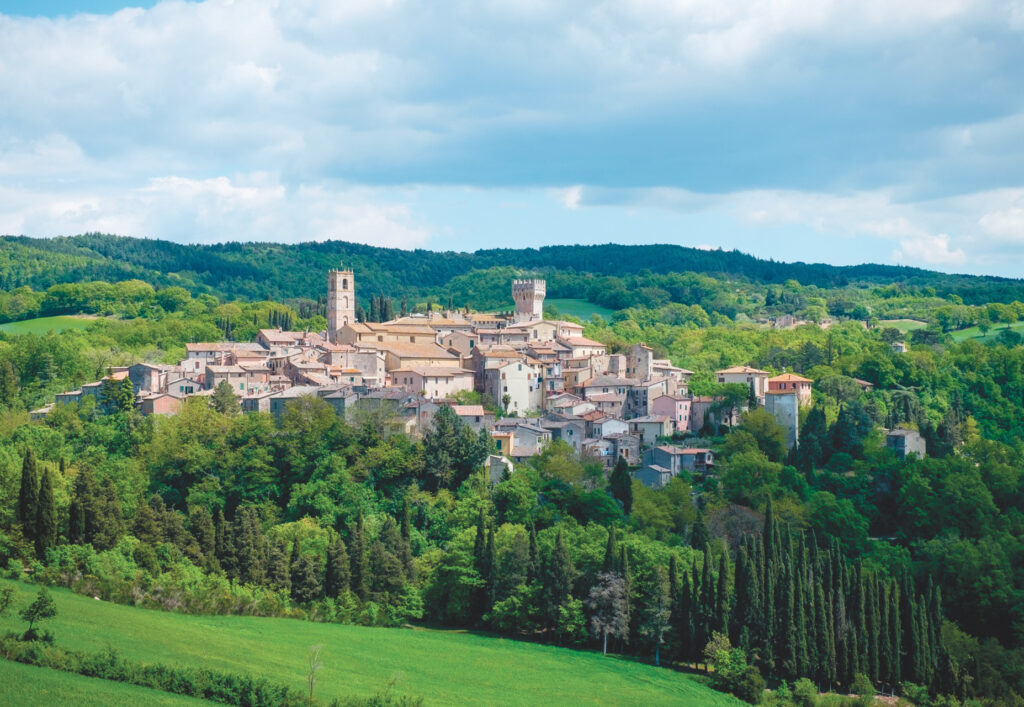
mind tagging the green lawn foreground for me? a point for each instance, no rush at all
(29, 686)
(42, 325)
(444, 667)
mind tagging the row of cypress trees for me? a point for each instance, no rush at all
(804, 611)
(37, 508)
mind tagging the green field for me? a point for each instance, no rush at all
(29, 686)
(42, 325)
(579, 308)
(975, 333)
(904, 325)
(445, 667)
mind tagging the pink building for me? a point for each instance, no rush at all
(674, 407)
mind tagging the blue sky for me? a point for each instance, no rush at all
(836, 131)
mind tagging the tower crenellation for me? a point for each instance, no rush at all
(529, 299)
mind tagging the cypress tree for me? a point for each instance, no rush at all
(491, 566)
(533, 567)
(908, 630)
(895, 634)
(28, 495)
(769, 564)
(722, 595)
(801, 610)
(405, 549)
(558, 579)
(684, 627)
(46, 520)
(307, 585)
(338, 571)
(279, 575)
(110, 522)
(357, 561)
(620, 485)
(611, 552)
(672, 637)
(146, 527)
(700, 536)
(202, 529)
(76, 514)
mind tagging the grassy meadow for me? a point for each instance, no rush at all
(444, 667)
(579, 308)
(29, 686)
(904, 325)
(42, 325)
(975, 334)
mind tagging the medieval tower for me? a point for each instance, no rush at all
(341, 302)
(529, 297)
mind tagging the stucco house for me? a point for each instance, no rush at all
(650, 427)
(676, 408)
(791, 382)
(754, 378)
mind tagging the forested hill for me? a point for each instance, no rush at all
(275, 271)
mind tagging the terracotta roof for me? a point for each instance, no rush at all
(434, 371)
(468, 410)
(580, 341)
(742, 369)
(789, 378)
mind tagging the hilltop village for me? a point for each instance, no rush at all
(543, 380)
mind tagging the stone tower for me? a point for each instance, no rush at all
(529, 297)
(341, 302)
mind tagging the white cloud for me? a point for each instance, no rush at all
(571, 197)
(255, 207)
(929, 250)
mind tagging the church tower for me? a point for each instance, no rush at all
(341, 302)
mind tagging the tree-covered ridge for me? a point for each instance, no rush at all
(274, 271)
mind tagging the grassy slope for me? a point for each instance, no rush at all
(580, 308)
(975, 333)
(444, 667)
(904, 325)
(29, 686)
(41, 325)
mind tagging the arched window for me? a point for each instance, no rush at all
(344, 284)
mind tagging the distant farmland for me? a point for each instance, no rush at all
(42, 325)
(579, 308)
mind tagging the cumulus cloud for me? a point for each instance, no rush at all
(929, 250)
(898, 122)
(256, 207)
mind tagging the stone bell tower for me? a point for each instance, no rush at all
(341, 302)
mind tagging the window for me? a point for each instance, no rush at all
(412, 339)
(344, 285)
(498, 443)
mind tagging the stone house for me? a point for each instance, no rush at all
(582, 347)
(903, 442)
(650, 427)
(434, 382)
(520, 381)
(475, 416)
(570, 430)
(159, 404)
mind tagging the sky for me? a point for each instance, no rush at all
(829, 131)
